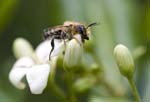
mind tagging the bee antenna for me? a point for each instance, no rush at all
(92, 24)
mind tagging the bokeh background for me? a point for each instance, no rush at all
(121, 21)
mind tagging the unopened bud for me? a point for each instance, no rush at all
(73, 54)
(21, 48)
(85, 83)
(124, 60)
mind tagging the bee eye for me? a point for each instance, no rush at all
(82, 30)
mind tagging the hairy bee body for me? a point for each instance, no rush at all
(66, 31)
(58, 32)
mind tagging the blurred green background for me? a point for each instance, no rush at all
(121, 21)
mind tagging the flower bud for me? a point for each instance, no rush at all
(73, 54)
(124, 60)
(21, 48)
(84, 83)
(138, 52)
(95, 69)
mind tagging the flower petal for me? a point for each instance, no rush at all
(43, 50)
(25, 62)
(19, 70)
(22, 47)
(78, 37)
(37, 78)
(58, 49)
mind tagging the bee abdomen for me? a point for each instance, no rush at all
(47, 34)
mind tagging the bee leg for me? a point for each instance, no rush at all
(63, 37)
(53, 45)
(65, 46)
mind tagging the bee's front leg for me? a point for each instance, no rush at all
(53, 45)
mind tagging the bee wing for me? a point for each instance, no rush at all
(50, 32)
(56, 27)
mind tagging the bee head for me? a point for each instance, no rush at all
(80, 29)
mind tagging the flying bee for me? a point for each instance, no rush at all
(67, 31)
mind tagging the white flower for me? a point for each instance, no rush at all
(73, 53)
(27, 66)
(36, 75)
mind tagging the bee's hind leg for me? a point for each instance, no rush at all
(63, 36)
(53, 45)
(65, 46)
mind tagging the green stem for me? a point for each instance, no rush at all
(57, 91)
(71, 92)
(134, 90)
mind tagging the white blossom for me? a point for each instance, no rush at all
(36, 73)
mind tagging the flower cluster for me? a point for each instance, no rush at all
(34, 64)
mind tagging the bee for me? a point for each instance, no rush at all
(67, 31)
